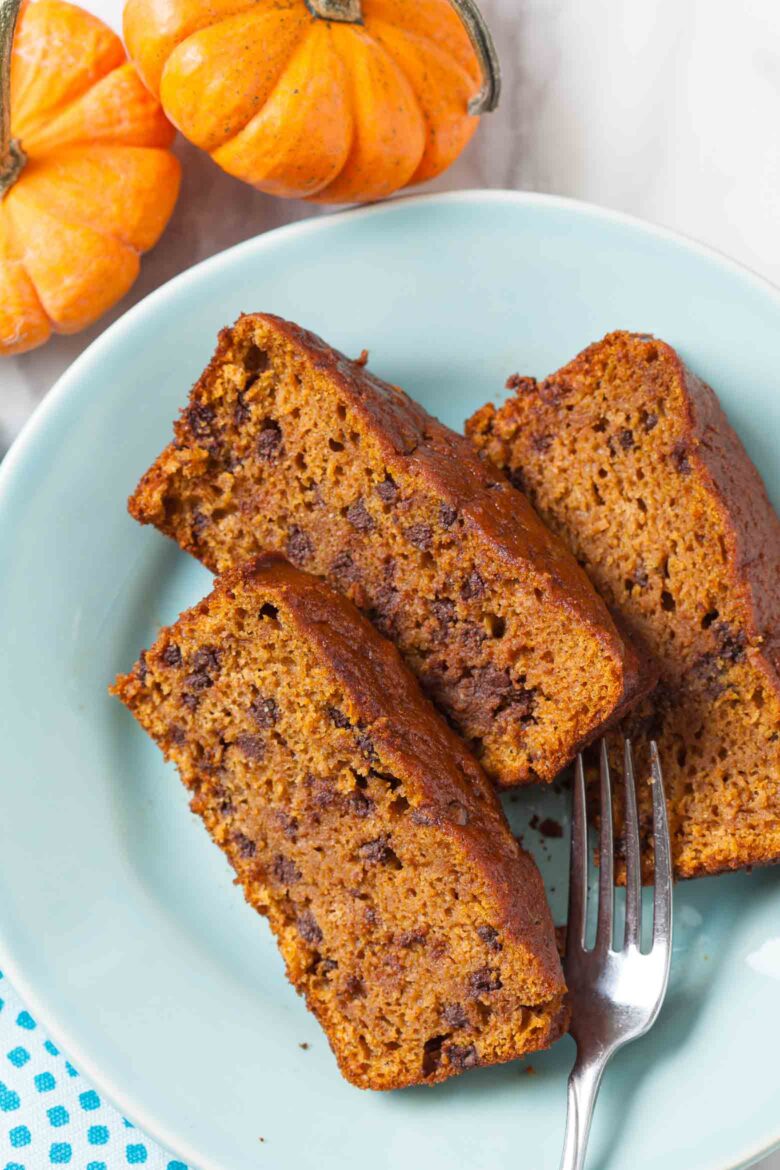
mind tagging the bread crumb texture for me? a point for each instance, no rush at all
(628, 456)
(358, 823)
(288, 446)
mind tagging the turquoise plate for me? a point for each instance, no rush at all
(119, 924)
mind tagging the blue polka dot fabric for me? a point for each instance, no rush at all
(49, 1116)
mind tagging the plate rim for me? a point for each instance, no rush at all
(315, 223)
(66, 385)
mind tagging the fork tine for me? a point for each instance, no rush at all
(606, 846)
(633, 931)
(662, 898)
(578, 863)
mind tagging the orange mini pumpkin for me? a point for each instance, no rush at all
(86, 184)
(331, 100)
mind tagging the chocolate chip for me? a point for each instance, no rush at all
(541, 443)
(354, 986)
(256, 360)
(199, 524)
(471, 635)
(454, 1014)
(264, 712)
(447, 514)
(177, 734)
(443, 609)
(420, 535)
(360, 517)
(252, 746)
(308, 928)
(360, 804)
(680, 458)
(731, 645)
(649, 420)
(171, 655)
(242, 411)
(489, 936)
(483, 981)
(299, 546)
(491, 682)
(520, 382)
(208, 659)
(200, 418)
(324, 794)
(198, 681)
(338, 718)
(472, 587)
(376, 852)
(424, 815)
(707, 671)
(205, 663)
(288, 824)
(344, 569)
(410, 938)
(190, 701)
(387, 490)
(366, 745)
(246, 847)
(382, 612)
(141, 669)
(550, 827)
(462, 1055)
(269, 441)
(626, 439)
(519, 702)
(285, 870)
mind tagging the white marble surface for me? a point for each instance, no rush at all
(668, 109)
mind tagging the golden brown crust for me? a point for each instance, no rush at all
(421, 801)
(696, 574)
(432, 468)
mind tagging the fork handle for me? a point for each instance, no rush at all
(584, 1082)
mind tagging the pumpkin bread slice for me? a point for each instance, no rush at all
(288, 446)
(359, 824)
(629, 456)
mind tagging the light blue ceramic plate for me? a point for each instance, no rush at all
(118, 920)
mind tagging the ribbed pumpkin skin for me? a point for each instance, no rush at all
(98, 186)
(307, 108)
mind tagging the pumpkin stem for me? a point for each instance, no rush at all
(483, 45)
(348, 11)
(12, 157)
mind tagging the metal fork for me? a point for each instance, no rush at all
(615, 995)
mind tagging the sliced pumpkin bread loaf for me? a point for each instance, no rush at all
(629, 457)
(359, 824)
(288, 446)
